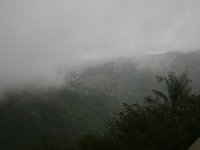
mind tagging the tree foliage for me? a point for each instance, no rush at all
(55, 118)
(164, 122)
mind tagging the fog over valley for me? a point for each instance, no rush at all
(99, 74)
(41, 39)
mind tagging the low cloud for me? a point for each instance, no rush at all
(39, 36)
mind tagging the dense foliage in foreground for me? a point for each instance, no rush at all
(163, 122)
(54, 119)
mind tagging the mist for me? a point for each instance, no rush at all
(41, 37)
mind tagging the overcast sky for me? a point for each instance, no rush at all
(36, 36)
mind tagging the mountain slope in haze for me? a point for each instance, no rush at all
(50, 118)
(129, 79)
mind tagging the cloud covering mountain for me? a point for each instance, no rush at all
(38, 36)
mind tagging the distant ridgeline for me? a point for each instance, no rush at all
(52, 118)
(129, 79)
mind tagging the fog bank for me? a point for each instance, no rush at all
(41, 37)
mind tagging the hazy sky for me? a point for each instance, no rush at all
(36, 36)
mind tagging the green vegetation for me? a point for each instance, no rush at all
(85, 113)
(50, 119)
(54, 119)
(163, 122)
(128, 79)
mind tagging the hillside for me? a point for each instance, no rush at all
(50, 118)
(129, 79)
(53, 117)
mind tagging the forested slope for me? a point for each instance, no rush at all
(52, 118)
(34, 120)
(129, 78)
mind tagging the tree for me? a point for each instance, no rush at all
(177, 87)
(164, 122)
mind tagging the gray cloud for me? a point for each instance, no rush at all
(36, 36)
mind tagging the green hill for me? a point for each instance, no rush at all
(51, 118)
(129, 79)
